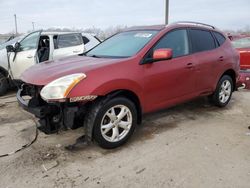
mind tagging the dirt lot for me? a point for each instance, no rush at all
(191, 145)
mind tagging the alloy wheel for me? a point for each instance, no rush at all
(116, 123)
(225, 91)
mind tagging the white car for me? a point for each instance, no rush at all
(36, 47)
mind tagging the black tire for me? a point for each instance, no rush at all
(216, 99)
(96, 115)
(4, 85)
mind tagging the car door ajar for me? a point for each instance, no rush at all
(26, 54)
(170, 81)
(68, 45)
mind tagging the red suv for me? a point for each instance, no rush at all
(134, 72)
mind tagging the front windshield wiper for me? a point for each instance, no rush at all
(95, 56)
(111, 57)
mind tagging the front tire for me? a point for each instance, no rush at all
(4, 85)
(223, 92)
(113, 121)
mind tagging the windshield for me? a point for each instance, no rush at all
(242, 43)
(11, 42)
(125, 44)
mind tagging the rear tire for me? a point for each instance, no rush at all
(4, 85)
(223, 92)
(113, 121)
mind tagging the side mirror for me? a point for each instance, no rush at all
(162, 54)
(10, 48)
(159, 55)
(17, 46)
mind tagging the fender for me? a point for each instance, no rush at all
(105, 88)
(119, 84)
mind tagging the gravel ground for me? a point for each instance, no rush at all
(190, 145)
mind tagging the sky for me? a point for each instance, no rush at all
(224, 14)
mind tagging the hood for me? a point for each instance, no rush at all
(43, 73)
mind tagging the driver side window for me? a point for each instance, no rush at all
(30, 42)
(177, 40)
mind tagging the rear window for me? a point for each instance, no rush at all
(69, 40)
(201, 40)
(220, 38)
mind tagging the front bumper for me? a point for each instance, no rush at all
(38, 111)
(52, 116)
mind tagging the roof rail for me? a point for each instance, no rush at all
(194, 23)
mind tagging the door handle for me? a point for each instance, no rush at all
(30, 56)
(76, 51)
(221, 58)
(190, 66)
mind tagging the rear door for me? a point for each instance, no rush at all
(67, 45)
(26, 54)
(169, 81)
(207, 58)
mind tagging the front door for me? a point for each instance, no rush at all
(169, 81)
(25, 56)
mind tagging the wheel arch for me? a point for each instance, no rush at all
(3, 71)
(115, 93)
(131, 96)
(5, 82)
(232, 74)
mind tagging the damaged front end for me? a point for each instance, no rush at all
(52, 116)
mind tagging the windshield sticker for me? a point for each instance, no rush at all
(143, 35)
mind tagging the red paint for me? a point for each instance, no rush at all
(244, 58)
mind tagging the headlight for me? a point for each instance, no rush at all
(60, 88)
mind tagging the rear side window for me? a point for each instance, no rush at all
(85, 40)
(219, 37)
(69, 40)
(201, 40)
(177, 40)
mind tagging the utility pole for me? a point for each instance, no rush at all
(166, 11)
(15, 23)
(33, 26)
